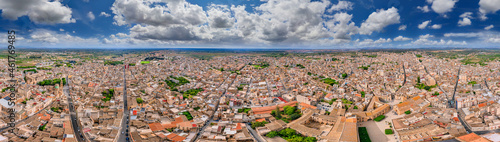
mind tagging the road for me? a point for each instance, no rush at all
(124, 125)
(216, 107)
(74, 119)
(486, 85)
(254, 133)
(404, 79)
(452, 100)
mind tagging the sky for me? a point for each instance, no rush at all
(301, 24)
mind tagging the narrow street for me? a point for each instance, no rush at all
(123, 133)
(74, 119)
(216, 108)
(254, 133)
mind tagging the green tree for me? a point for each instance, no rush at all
(344, 75)
(310, 139)
(259, 124)
(289, 110)
(278, 113)
(272, 134)
(296, 139)
(287, 132)
(55, 109)
(435, 94)
(295, 116)
(139, 100)
(427, 88)
(273, 113)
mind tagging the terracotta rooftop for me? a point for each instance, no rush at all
(472, 137)
(260, 120)
(307, 106)
(155, 126)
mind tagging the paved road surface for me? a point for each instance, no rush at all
(254, 133)
(74, 119)
(123, 137)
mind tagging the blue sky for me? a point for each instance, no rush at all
(252, 23)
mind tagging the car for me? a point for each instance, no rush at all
(123, 132)
(127, 126)
(126, 134)
(126, 138)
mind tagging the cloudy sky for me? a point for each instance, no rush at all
(252, 23)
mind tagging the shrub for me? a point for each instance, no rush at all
(408, 112)
(379, 118)
(139, 100)
(388, 131)
(188, 115)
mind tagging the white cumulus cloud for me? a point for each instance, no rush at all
(372, 42)
(91, 16)
(220, 16)
(443, 6)
(38, 11)
(489, 27)
(426, 41)
(488, 6)
(436, 26)
(380, 19)
(401, 38)
(424, 9)
(465, 21)
(104, 14)
(424, 24)
(402, 27)
(342, 5)
(43, 36)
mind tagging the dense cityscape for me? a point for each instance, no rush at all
(169, 95)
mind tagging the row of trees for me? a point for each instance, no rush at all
(113, 62)
(52, 82)
(291, 135)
